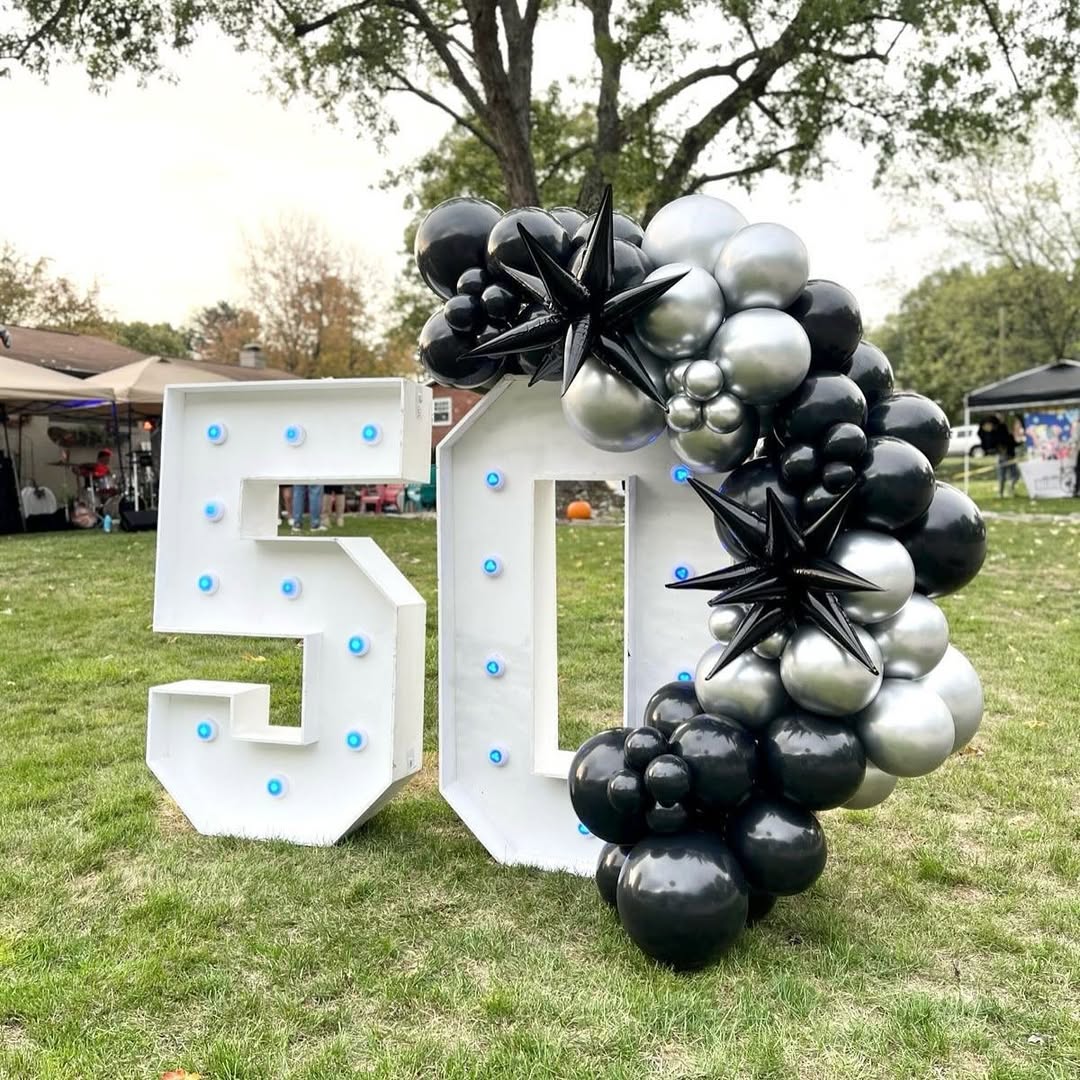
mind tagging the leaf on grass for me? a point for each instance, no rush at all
(180, 1074)
(255, 659)
(1034, 723)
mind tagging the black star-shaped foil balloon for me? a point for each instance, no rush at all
(788, 574)
(581, 309)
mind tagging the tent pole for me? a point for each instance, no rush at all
(967, 456)
(7, 447)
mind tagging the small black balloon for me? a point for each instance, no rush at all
(473, 281)
(505, 247)
(642, 745)
(442, 352)
(667, 819)
(815, 501)
(625, 228)
(759, 905)
(632, 265)
(569, 218)
(626, 792)
(722, 757)
(800, 465)
(819, 402)
(870, 368)
(830, 316)
(608, 868)
(667, 779)
(682, 898)
(844, 442)
(814, 761)
(748, 485)
(837, 476)
(594, 764)
(671, 705)
(452, 239)
(464, 313)
(896, 486)
(915, 419)
(500, 304)
(947, 544)
(780, 846)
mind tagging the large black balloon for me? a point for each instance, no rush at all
(820, 402)
(442, 352)
(780, 846)
(673, 704)
(813, 760)
(869, 367)
(830, 316)
(597, 760)
(632, 266)
(569, 217)
(608, 868)
(451, 239)
(682, 898)
(915, 419)
(506, 248)
(722, 757)
(947, 544)
(760, 904)
(747, 485)
(896, 486)
(625, 228)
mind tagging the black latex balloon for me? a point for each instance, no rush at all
(632, 266)
(813, 760)
(780, 846)
(759, 905)
(722, 757)
(626, 228)
(682, 898)
(608, 868)
(820, 402)
(837, 476)
(452, 239)
(626, 792)
(800, 465)
(464, 313)
(667, 819)
(442, 352)
(642, 745)
(815, 501)
(748, 485)
(897, 484)
(915, 419)
(673, 704)
(473, 281)
(570, 218)
(594, 764)
(546, 357)
(667, 779)
(844, 442)
(506, 248)
(500, 304)
(830, 316)
(870, 368)
(947, 544)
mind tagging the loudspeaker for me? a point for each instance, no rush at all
(138, 520)
(10, 518)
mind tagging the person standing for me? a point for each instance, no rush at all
(1004, 444)
(335, 504)
(312, 495)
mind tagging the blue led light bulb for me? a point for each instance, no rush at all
(492, 566)
(291, 588)
(277, 786)
(680, 473)
(359, 645)
(207, 584)
(495, 666)
(213, 510)
(216, 433)
(356, 740)
(685, 676)
(498, 756)
(682, 572)
(206, 730)
(494, 480)
(583, 829)
(371, 434)
(295, 435)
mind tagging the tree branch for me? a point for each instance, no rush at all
(996, 27)
(759, 166)
(691, 78)
(408, 87)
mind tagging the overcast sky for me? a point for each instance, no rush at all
(150, 190)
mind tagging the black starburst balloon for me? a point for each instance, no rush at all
(788, 574)
(581, 309)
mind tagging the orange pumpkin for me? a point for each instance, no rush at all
(579, 510)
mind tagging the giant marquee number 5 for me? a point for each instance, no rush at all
(222, 569)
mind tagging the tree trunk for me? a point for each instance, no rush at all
(604, 164)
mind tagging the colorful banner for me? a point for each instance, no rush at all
(1052, 441)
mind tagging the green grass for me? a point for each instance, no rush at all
(983, 488)
(942, 941)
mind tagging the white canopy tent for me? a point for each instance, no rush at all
(20, 382)
(143, 383)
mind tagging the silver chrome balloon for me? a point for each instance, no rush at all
(723, 413)
(682, 322)
(673, 377)
(956, 682)
(882, 560)
(907, 729)
(913, 640)
(703, 379)
(692, 230)
(772, 647)
(763, 353)
(763, 265)
(684, 414)
(724, 620)
(875, 788)
(748, 689)
(608, 412)
(714, 451)
(823, 677)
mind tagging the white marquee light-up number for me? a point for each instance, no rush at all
(222, 569)
(499, 762)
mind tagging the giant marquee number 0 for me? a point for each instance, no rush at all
(222, 569)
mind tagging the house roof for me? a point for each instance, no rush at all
(1051, 384)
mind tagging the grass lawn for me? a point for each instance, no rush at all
(983, 488)
(942, 941)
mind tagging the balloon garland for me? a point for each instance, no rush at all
(831, 677)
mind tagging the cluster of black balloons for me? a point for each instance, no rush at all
(471, 254)
(706, 821)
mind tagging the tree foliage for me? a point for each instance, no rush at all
(31, 295)
(219, 331)
(154, 339)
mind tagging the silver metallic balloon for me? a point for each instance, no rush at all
(763, 265)
(875, 788)
(673, 377)
(723, 413)
(772, 647)
(748, 689)
(724, 620)
(825, 678)
(907, 729)
(882, 560)
(608, 412)
(714, 451)
(913, 640)
(684, 414)
(956, 682)
(682, 322)
(692, 230)
(703, 379)
(763, 353)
